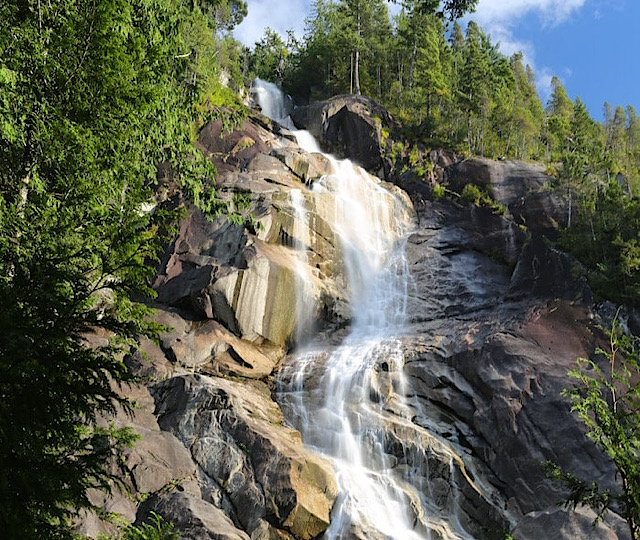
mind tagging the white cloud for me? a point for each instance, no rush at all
(275, 14)
(550, 12)
(281, 16)
(498, 18)
(543, 82)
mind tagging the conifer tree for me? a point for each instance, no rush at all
(474, 91)
(93, 96)
(559, 111)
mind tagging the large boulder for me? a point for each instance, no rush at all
(349, 126)
(523, 188)
(200, 345)
(257, 469)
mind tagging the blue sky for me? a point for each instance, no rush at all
(592, 45)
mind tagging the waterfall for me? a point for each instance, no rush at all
(304, 298)
(340, 396)
(272, 101)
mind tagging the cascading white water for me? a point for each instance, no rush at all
(304, 300)
(339, 398)
(272, 101)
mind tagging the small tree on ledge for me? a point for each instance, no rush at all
(608, 402)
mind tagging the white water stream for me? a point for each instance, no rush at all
(339, 398)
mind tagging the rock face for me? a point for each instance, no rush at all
(496, 319)
(247, 276)
(259, 475)
(491, 341)
(348, 126)
(214, 457)
(522, 187)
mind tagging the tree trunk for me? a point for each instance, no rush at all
(482, 135)
(469, 132)
(412, 63)
(356, 63)
(356, 74)
(351, 75)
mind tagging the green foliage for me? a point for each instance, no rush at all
(346, 49)
(604, 237)
(157, 529)
(472, 193)
(439, 192)
(453, 9)
(93, 96)
(268, 57)
(478, 196)
(607, 400)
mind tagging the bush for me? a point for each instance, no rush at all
(608, 402)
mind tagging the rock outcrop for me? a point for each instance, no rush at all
(214, 456)
(490, 345)
(497, 317)
(349, 127)
(523, 188)
(259, 475)
(246, 276)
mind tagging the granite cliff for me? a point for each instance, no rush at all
(496, 316)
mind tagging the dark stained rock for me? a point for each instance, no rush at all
(490, 341)
(545, 272)
(508, 181)
(577, 524)
(348, 126)
(523, 188)
(235, 436)
(232, 148)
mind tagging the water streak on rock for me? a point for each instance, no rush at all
(340, 397)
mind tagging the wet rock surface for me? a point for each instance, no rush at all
(494, 329)
(350, 127)
(497, 317)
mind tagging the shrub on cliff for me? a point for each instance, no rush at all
(607, 400)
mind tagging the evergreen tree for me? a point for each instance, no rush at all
(363, 26)
(421, 42)
(559, 111)
(452, 9)
(267, 59)
(473, 87)
(93, 96)
(528, 113)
